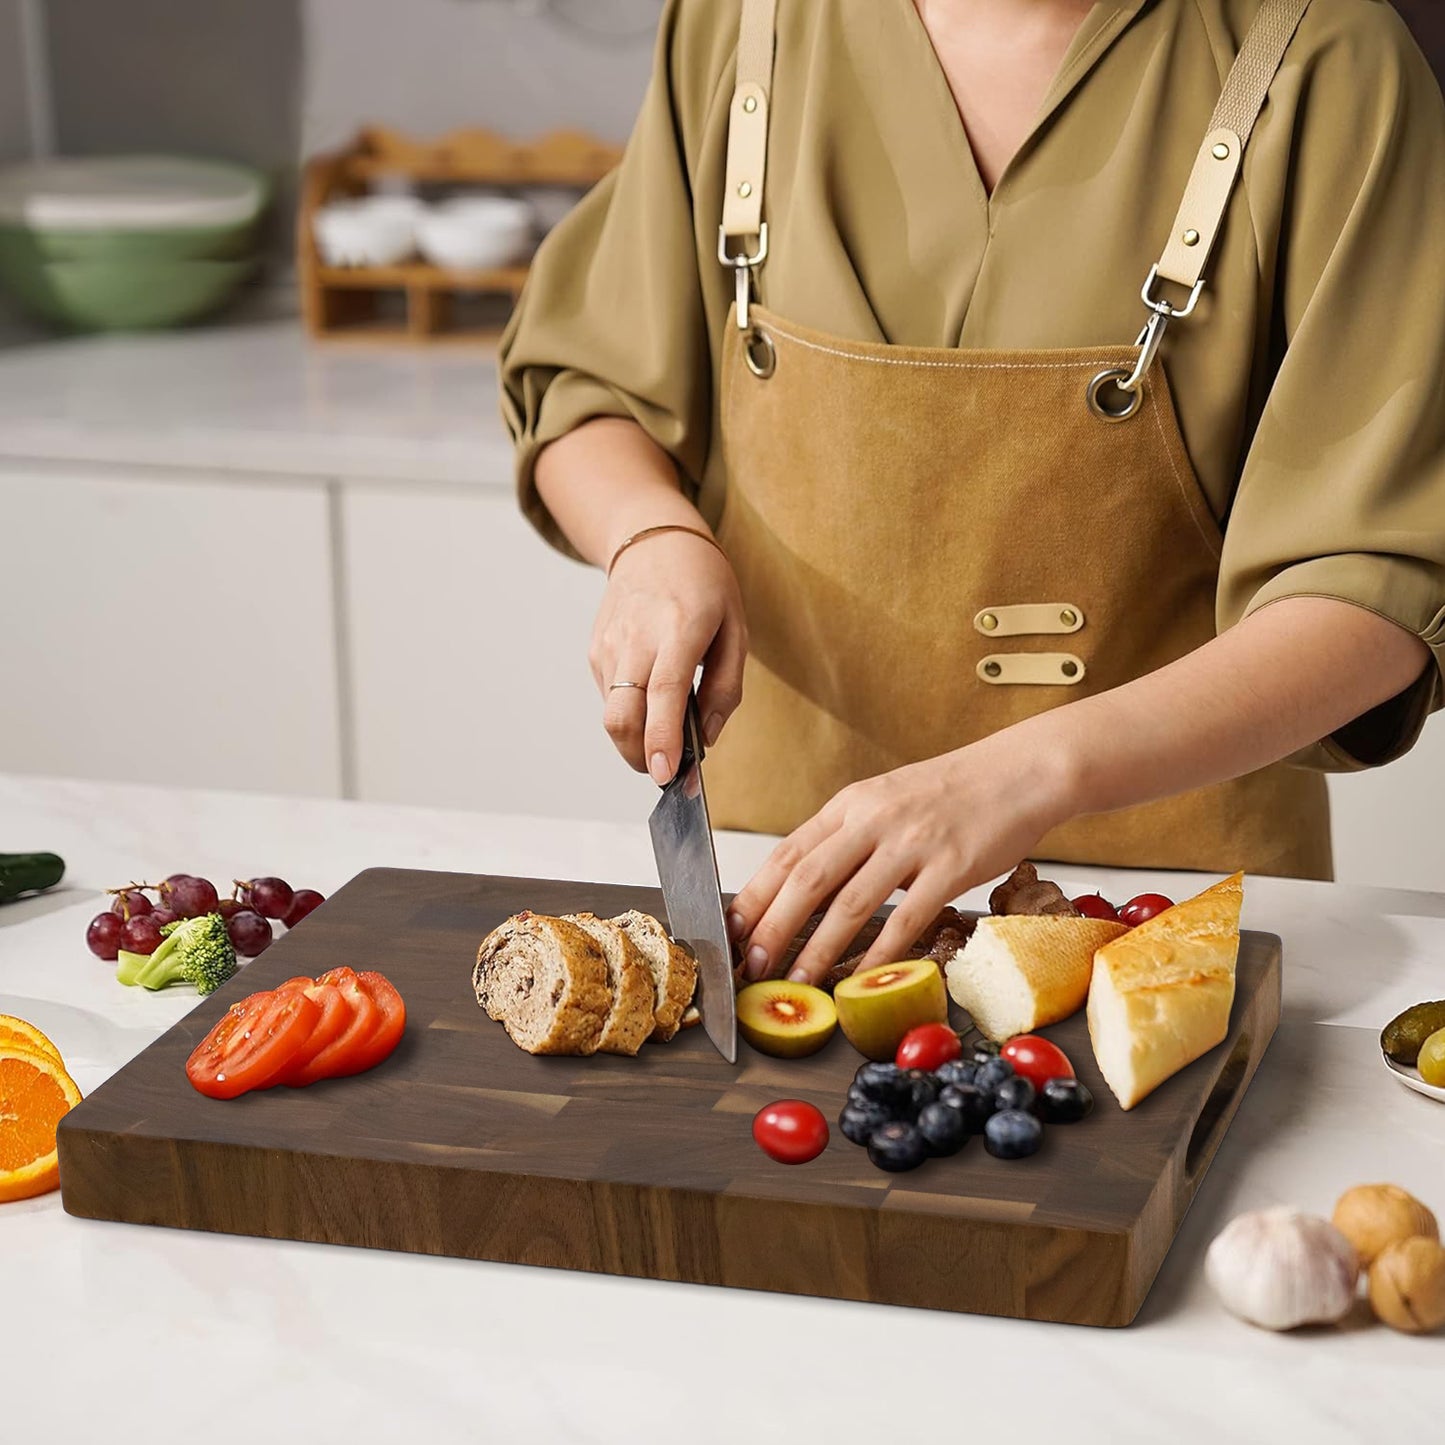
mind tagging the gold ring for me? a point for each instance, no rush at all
(616, 685)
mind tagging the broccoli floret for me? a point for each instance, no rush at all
(197, 951)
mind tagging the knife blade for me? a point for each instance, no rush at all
(687, 869)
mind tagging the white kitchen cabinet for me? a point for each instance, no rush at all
(167, 628)
(466, 645)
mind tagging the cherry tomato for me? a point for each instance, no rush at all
(252, 1043)
(791, 1131)
(1034, 1058)
(1143, 908)
(927, 1046)
(1095, 905)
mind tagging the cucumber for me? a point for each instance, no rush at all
(28, 873)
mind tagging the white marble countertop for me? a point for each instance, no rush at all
(251, 393)
(151, 1335)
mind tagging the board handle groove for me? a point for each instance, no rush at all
(1218, 1108)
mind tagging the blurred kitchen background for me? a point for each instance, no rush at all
(274, 548)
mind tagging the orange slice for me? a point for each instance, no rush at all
(26, 1036)
(35, 1094)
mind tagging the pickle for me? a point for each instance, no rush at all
(1402, 1037)
(1432, 1059)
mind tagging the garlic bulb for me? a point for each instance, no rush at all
(1278, 1268)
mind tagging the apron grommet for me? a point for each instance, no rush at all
(1069, 669)
(760, 354)
(987, 622)
(1069, 617)
(993, 669)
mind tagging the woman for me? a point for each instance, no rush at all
(1000, 583)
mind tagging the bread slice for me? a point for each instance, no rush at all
(1025, 971)
(1162, 994)
(546, 980)
(674, 971)
(630, 979)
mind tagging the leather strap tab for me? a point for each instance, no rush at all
(1030, 619)
(747, 156)
(1032, 669)
(1216, 171)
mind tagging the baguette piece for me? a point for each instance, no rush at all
(674, 971)
(1024, 971)
(630, 979)
(546, 980)
(1162, 994)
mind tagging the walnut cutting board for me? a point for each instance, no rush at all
(460, 1144)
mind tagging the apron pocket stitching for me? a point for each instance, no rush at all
(1193, 500)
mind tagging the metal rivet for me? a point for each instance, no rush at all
(1070, 669)
(988, 622)
(750, 104)
(745, 190)
(1068, 617)
(992, 669)
(1191, 238)
(1221, 152)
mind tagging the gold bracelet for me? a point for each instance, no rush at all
(657, 531)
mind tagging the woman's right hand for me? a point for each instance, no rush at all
(671, 604)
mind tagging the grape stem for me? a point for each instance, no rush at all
(122, 894)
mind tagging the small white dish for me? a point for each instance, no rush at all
(476, 233)
(368, 231)
(1412, 1080)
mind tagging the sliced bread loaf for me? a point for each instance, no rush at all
(545, 979)
(630, 979)
(674, 971)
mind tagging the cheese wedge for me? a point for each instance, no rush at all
(1161, 994)
(1025, 971)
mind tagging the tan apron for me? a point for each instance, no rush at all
(933, 544)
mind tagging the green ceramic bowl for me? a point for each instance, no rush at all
(128, 294)
(201, 243)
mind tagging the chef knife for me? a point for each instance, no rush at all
(687, 868)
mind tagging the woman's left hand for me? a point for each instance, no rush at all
(935, 829)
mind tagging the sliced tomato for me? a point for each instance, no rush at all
(345, 1054)
(252, 1043)
(393, 1017)
(336, 1013)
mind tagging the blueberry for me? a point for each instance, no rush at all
(1064, 1101)
(993, 1073)
(897, 1146)
(1012, 1134)
(923, 1090)
(1014, 1093)
(970, 1101)
(984, 1050)
(956, 1071)
(858, 1121)
(883, 1082)
(944, 1129)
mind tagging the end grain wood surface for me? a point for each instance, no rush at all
(460, 1144)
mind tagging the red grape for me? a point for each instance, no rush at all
(162, 916)
(228, 906)
(303, 901)
(140, 935)
(131, 904)
(927, 1046)
(102, 938)
(250, 933)
(791, 1131)
(188, 897)
(1095, 905)
(270, 897)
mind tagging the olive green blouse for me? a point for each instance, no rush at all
(1310, 382)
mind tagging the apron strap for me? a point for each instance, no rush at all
(1116, 395)
(742, 242)
(1216, 171)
